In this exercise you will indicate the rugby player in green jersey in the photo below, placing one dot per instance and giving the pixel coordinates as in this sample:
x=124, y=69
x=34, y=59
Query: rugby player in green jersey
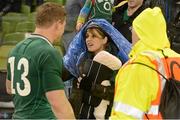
x=34, y=70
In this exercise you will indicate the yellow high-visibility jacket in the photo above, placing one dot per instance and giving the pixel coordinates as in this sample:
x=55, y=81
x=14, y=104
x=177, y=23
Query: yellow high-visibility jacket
x=138, y=88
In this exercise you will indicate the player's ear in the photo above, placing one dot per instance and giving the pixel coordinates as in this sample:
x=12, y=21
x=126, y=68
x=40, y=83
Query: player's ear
x=57, y=24
x=61, y=22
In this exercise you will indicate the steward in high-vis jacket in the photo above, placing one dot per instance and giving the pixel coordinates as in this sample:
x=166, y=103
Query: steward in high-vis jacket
x=138, y=88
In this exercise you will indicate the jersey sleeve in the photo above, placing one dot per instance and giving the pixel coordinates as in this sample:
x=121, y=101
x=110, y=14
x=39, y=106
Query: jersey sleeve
x=51, y=66
x=85, y=11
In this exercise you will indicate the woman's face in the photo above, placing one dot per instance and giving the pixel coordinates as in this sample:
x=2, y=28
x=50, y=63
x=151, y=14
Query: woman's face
x=95, y=40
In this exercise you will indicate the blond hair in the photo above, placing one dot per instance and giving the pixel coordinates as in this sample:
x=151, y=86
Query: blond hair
x=48, y=13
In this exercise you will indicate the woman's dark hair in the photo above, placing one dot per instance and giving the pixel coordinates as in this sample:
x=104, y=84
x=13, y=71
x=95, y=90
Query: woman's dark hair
x=112, y=48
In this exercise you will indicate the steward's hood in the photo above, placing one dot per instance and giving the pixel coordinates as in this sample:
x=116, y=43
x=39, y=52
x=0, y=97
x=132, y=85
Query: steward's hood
x=77, y=48
x=150, y=27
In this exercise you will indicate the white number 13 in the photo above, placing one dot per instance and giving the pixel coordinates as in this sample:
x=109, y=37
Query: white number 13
x=27, y=87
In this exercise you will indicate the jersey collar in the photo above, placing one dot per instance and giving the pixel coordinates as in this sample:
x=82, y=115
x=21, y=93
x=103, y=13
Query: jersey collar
x=40, y=36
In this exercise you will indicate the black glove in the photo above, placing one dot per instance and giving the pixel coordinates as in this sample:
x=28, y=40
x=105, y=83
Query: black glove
x=104, y=92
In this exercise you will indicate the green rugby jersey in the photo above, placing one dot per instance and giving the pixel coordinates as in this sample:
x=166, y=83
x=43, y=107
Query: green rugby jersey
x=34, y=68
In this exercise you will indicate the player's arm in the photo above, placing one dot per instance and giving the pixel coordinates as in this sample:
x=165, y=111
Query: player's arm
x=8, y=86
x=51, y=65
x=60, y=104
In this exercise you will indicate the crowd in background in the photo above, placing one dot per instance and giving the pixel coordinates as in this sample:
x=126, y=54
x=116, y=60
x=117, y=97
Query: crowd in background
x=96, y=29
x=78, y=12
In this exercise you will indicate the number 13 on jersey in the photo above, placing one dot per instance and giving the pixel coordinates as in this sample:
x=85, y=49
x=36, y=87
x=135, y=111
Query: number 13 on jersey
x=23, y=62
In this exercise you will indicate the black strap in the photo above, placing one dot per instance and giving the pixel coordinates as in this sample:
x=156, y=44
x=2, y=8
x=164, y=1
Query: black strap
x=150, y=68
x=146, y=116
